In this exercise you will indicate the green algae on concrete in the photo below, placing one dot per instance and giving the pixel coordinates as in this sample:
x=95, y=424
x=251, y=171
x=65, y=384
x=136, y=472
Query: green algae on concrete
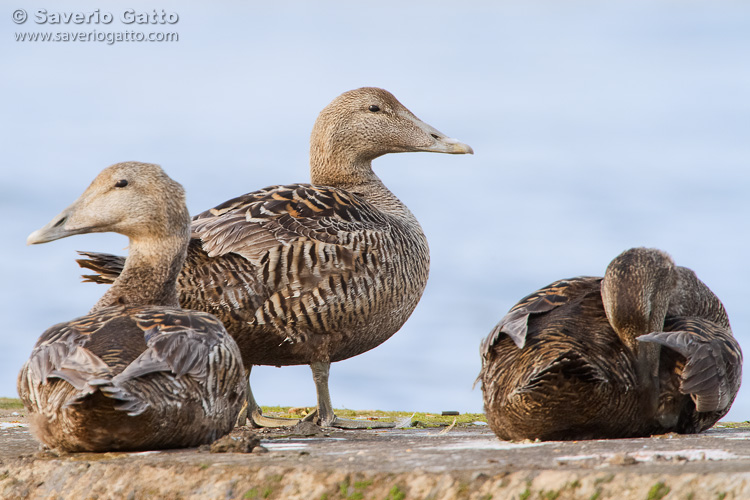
x=419, y=419
x=10, y=404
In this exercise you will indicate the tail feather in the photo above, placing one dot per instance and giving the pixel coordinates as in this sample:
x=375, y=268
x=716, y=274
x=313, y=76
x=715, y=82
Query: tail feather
x=107, y=266
x=123, y=400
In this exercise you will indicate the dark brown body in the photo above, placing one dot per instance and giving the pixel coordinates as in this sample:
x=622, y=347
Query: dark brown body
x=574, y=377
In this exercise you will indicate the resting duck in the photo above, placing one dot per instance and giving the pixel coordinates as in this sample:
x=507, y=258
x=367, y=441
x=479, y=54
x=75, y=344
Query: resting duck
x=137, y=372
x=315, y=273
x=645, y=350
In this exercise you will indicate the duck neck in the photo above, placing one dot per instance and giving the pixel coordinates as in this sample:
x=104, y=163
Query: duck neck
x=149, y=276
x=632, y=313
x=635, y=298
x=337, y=163
x=340, y=169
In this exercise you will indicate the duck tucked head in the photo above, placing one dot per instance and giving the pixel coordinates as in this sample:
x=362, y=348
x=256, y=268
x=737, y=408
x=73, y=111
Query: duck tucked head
x=636, y=290
x=363, y=124
x=135, y=199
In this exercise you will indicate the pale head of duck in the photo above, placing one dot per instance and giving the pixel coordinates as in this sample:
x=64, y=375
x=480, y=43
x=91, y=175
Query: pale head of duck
x=135, y=199
x=636, y=291
x=363, y=124
x=141, y=202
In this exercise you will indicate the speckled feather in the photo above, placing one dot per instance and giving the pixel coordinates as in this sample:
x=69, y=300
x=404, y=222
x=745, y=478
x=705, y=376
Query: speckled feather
x=323, y=275
x=515, y=323
x=152, y=365
x=293, y=271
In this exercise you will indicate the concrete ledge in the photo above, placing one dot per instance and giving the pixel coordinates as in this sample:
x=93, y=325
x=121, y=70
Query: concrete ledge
x=395, y=464
x=83, y=479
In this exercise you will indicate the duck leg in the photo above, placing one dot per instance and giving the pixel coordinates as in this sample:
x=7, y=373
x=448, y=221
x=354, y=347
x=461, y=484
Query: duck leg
x=324, y=412
x=251, y=410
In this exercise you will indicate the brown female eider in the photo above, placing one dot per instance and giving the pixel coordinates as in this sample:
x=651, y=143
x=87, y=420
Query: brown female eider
x=137, y=372
x=315, y=273
x=645, y=350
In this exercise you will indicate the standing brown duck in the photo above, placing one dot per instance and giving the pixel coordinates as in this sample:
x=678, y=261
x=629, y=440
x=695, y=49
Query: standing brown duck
x=647, y=349
x=137, y=372
x=315, y=273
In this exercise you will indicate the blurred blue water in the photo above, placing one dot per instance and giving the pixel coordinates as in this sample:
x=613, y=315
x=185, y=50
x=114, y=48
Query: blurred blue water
x=596, y=127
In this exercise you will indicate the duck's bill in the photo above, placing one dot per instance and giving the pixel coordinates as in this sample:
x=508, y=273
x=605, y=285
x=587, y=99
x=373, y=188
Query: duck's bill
x=54, y=230
x=438, y=142
x=450, y=146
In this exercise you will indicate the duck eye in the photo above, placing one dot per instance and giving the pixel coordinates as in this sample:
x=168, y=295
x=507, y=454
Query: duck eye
x=121, y=183
x=374, y=108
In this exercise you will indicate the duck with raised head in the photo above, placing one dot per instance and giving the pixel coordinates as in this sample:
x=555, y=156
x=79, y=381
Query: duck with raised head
x=137, y=372
x=315, y=273
x=646, y=349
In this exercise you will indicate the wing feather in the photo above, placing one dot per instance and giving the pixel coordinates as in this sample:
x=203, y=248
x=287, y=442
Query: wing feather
x=256, y=223
x=177, y=341
x=88, y=352
x=515, y=323
x=713, y=368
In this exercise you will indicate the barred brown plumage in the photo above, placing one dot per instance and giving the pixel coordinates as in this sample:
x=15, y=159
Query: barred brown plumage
x=576, y=359
x=137, y=372
x=315, y=273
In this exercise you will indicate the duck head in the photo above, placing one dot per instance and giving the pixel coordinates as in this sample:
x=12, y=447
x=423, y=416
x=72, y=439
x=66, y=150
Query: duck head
x=136, y=199
x=363, y=124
